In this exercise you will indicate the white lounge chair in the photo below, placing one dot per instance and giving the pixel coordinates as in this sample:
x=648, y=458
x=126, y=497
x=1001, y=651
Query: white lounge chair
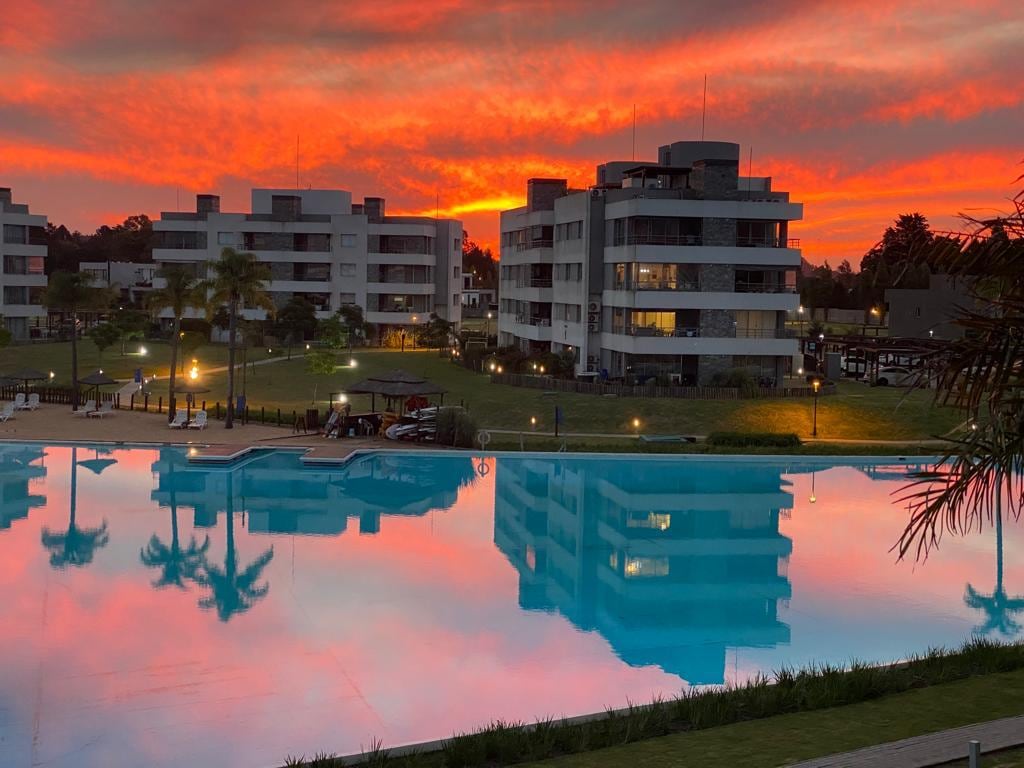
x=19, y=401
x=180, y=420
x=85, y=410
x=105, y=409
x=7, y=412
x=33, y=402
x=199, y=422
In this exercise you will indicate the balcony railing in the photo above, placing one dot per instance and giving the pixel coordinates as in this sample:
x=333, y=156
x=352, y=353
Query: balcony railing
x=543, y=322
x=534, y=282
x=657, y=331
x=531, y=244
x=764, y=333
x=749, y=287
x=659, y=240
x=660, y=285
x=768, y=242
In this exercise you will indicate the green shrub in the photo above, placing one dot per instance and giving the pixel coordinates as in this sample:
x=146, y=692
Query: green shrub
x=455, y=426
x=754, y=439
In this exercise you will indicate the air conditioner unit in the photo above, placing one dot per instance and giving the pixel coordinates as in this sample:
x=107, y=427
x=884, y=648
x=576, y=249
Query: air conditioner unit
x=592, y=327
x=592, y=318
x=593, y=359
x=593, y=307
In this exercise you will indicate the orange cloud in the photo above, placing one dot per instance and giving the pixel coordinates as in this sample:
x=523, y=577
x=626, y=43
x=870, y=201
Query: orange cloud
x=449, y=107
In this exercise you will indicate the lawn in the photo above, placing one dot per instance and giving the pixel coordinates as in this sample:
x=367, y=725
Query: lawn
x=56, y=357
x=790, y=738
x=856, y=412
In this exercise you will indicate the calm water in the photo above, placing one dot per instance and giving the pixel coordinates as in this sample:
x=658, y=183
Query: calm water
x=156, y=613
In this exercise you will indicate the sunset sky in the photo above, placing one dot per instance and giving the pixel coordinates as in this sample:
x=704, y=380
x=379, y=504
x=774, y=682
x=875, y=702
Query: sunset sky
x=863, y=110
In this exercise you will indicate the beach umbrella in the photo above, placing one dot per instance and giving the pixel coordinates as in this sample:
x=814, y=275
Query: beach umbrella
x=26, y=375
x=96, y=380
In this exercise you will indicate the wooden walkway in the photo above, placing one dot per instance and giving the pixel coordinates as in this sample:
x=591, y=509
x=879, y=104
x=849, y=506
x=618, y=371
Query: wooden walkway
x=931, y=749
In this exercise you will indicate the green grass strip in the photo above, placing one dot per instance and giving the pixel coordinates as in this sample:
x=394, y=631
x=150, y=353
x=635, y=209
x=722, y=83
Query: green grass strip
x=668, y=730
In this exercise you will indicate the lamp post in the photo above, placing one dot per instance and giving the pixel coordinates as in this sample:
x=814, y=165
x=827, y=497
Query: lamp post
x=800, y=313
x=488, y=327
x=814, y=427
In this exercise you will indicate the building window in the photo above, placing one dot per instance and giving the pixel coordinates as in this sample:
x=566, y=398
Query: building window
x=570, y=230
x=15, y=234
x=455, y=272
x=456, y=243
x=917, y=311
x=179, y=240
x=348, y=241
x=348, y=270
x=348, y=298
x=229, y=238
x=455, y=299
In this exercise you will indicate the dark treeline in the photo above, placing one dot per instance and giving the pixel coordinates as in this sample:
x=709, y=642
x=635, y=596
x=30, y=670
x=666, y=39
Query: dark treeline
x=131, y=240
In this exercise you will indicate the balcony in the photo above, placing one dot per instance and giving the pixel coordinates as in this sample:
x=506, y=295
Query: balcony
x=659, y=285
x=755, y=287
x=531, y=244
x=541, y=322
x=656, y=331
x=768, y=242
x=764, y=333
x=534, y=282
x=631, y=239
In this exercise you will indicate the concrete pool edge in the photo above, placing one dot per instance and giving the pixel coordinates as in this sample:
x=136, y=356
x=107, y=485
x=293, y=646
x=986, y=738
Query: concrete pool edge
x=244, y=451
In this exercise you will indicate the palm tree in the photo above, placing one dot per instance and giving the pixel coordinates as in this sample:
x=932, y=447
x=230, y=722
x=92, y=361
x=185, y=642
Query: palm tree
x=177, y=564
x=237, y=281
x=232, y=591
x=71, y=293
x=181, y=290
x=75, y=546
x=983, y=375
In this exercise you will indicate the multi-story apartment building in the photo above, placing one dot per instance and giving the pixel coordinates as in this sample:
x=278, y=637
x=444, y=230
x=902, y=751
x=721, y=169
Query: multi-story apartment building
x=23, y=276
x=130, y=280
x=321, y=246
x=680, y=268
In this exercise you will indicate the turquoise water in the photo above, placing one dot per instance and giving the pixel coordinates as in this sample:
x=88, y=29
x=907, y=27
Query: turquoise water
x=160, y=613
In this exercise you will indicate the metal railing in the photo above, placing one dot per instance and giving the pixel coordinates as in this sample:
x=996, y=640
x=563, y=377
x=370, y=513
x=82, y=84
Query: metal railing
x=768, y=242
x=534, y=282
x=531, y=244
x=751, y=287
x=658, y=240
x=533, y=320
x=656, y=331
x=765, y=333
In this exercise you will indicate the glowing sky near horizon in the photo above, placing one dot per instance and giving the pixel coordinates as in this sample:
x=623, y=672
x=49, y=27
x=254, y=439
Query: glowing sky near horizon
x=860, y=110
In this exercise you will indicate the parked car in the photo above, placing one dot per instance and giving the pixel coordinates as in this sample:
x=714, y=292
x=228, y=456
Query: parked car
x=895, y=376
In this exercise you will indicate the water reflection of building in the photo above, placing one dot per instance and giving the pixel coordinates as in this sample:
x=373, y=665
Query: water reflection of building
x=281, y=495
x=19, y=465
x=673, y=563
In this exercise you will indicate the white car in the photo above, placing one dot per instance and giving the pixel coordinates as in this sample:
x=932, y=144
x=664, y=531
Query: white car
x=895, y=376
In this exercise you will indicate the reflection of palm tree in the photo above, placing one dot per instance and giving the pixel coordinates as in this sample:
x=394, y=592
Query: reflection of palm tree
x=998, y=608
x=75, y=546
x=177, y=564
x=233, y=591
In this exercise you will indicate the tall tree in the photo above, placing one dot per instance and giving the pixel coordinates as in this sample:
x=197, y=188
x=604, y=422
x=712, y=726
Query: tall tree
x=237, y=282
x=180, y=291
x=295, y=321
x=479, y=262
x=351, y=316
x=103, y=335
x=71, y=293
x=176, y=564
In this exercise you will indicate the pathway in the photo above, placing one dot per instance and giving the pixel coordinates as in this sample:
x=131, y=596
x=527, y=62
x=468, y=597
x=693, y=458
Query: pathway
x=931, y=749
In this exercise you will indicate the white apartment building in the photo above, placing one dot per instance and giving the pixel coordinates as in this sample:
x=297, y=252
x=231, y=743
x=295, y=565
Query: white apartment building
x=680, y=268
x=322, y=247
x=23, y=262
x=131, y=280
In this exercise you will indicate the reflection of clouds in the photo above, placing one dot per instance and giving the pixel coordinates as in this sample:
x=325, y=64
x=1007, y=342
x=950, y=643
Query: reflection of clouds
x=420, y=630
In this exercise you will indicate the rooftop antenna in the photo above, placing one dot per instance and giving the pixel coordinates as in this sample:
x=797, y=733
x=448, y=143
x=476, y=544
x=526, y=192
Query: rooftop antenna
x=704, y=109
x=296, y=162
x=750, y=172
x=634, y=133
x=177, y=198
x=437, y=205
